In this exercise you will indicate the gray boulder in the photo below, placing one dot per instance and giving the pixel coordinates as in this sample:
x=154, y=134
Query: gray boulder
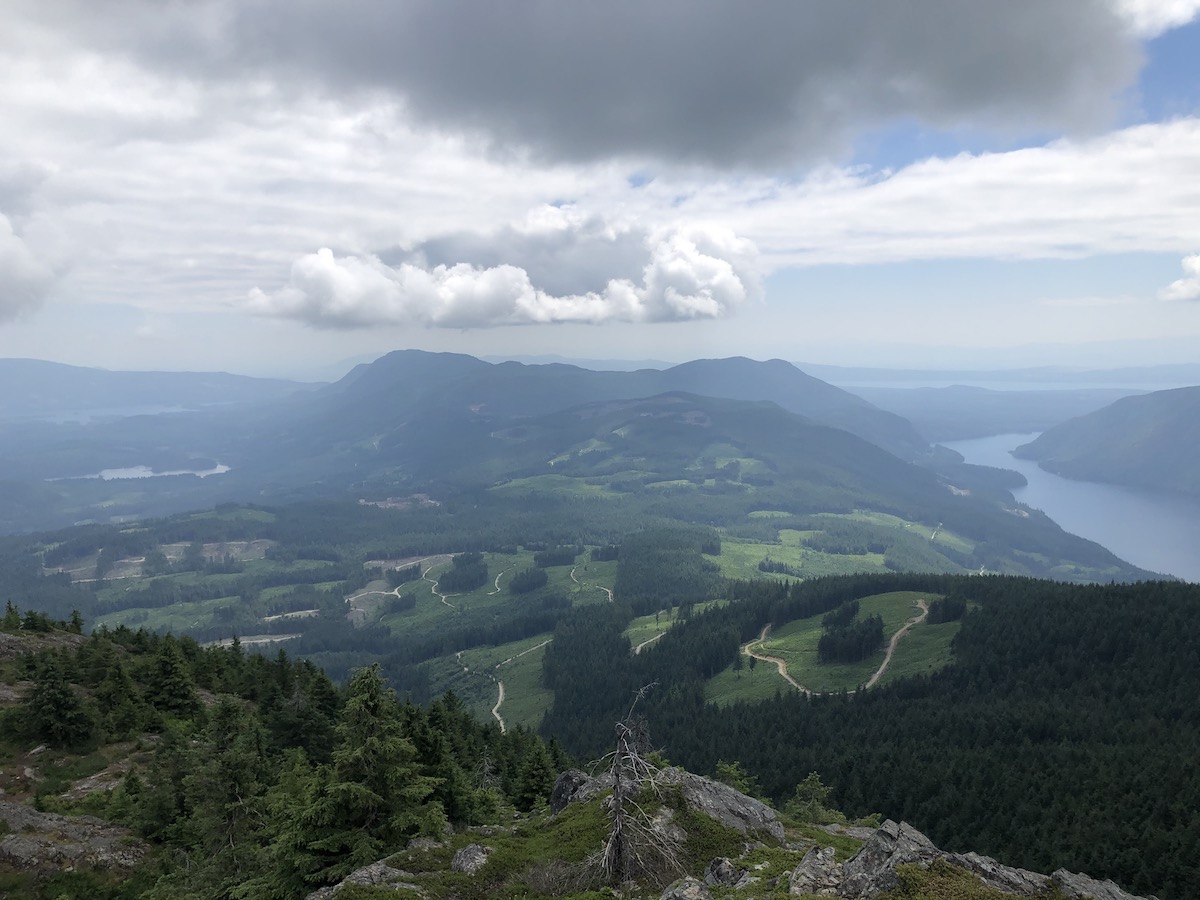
x=688, y=888
x=818, y=873
x=722, y=871
x=872, y=870
x=378, y=874
x=470, y=859
x=1076, y=887
x=730, y=807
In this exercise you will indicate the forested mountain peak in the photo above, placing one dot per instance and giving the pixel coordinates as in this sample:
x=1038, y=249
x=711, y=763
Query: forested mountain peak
x=1147, y=440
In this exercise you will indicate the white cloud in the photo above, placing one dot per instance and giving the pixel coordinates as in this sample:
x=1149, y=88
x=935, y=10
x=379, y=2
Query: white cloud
x=698, y=273
x=24, y=278
x=1185, y=288
x=1131, y=191
x=1150, y=18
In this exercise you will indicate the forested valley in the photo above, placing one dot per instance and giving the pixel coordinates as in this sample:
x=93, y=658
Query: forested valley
x=742, y=571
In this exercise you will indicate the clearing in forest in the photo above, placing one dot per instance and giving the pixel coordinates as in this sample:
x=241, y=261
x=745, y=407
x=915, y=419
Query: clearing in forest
x=925, y=648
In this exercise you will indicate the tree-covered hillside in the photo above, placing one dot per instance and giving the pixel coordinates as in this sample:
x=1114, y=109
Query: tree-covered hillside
x=1149, y=440
x=1058, y=737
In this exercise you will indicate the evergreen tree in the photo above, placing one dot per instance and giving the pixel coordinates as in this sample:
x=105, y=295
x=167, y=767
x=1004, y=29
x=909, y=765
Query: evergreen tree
x=55, y=713
x=172, y=687
x=370, y=799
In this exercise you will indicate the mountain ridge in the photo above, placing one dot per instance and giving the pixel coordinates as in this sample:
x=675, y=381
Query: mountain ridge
x=1148, y=440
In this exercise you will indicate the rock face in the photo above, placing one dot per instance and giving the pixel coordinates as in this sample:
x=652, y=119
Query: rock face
x=872, y=871
x=47, y=842
x=818, y=873
x=730, y=807
x=1077, y=887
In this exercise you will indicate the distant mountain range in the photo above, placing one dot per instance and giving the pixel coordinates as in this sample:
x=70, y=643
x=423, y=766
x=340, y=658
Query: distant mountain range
x=37, y=389
x=374, y=398
x=960, y=412
x=1149, y=440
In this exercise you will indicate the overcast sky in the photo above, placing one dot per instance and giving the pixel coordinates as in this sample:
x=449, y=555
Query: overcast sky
x=282, y=186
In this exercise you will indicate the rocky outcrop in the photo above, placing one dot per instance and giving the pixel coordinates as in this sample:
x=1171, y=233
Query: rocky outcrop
x=1078, y=887
x=574, y=786
x=723, y=871
x=48, y=842
x=688, y=888
x=470, y=859
x=729, y=806
x=377, y=875
x=818, y=873
x=872, y=871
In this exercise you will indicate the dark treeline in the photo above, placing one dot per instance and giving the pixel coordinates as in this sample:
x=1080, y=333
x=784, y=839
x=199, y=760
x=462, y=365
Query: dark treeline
x=559, y=556
x=280, y=784
x=1055, y=738
x=665, y=567
x=840, y=617
x=528, y=580
x=397, y=577
x=851, y=643
x=947, y=609
x=467, y=572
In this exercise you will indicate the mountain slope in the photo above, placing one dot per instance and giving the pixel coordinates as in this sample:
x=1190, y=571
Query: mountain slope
x=374, y=399
x=1148, y=441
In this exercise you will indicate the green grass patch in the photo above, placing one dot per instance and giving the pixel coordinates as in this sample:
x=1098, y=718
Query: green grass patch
x=542, y=857
x=179, y=617
x=943, y=537
x=924, y=649
x=558, y=485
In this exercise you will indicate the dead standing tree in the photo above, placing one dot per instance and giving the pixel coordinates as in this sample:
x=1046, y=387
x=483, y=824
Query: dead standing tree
x=636, y=845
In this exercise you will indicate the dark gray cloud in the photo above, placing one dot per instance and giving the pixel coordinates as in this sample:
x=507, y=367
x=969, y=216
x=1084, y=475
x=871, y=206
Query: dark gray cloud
x=700, y=81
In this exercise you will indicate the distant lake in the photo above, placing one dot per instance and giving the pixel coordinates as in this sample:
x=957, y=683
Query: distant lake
x=1152, y=529
x=147, y=472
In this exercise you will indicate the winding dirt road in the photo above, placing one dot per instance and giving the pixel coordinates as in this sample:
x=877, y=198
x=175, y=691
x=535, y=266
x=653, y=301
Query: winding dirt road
x=591, y=584
x=915, y=620
x=781, y=665
x=638, y=648
x=433, y=588
x=499, y=683
x=499, y=703
x=497, y=590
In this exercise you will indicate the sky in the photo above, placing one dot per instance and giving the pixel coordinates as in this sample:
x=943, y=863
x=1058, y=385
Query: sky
x=287, y=188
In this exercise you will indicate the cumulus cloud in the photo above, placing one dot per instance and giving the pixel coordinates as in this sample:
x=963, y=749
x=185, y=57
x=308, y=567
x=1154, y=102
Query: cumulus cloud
x=24, y=279
x=1187, y=288
x=697, y=273
x=1150, y=18
x=697, y=81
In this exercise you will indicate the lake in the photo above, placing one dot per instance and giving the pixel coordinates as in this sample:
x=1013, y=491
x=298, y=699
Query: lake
x=1152, y=529
x=145, y=472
